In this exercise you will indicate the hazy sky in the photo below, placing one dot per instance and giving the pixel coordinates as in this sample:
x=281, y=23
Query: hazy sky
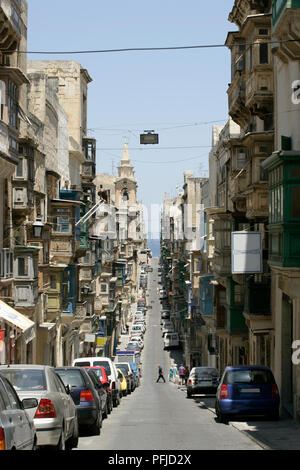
x=175, y=93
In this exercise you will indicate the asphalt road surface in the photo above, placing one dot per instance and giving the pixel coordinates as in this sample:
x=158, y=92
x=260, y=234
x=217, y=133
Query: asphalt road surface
x=158, y=416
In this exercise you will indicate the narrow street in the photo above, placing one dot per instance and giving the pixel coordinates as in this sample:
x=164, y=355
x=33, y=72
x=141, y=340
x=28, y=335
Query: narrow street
x=158, y=416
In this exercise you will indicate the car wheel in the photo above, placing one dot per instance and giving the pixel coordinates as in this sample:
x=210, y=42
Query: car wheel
x=223, y=418
x=73, y=441
x=116, y=402
x=105, y=413
x=189, y=394
x=110, y=406
x=35, y=446
x=62, y=443
x=96, y=427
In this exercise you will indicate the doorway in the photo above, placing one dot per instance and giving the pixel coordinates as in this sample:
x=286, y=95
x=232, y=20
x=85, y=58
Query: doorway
x=286, y=354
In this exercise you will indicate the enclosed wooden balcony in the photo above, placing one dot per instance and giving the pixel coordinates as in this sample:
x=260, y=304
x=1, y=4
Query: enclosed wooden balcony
x=285, y=19
x=236, y=99
x=11, y=25
x=259, y=90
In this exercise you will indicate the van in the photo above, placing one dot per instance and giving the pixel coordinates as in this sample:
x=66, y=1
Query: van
x=111, y=371
x=171, y=340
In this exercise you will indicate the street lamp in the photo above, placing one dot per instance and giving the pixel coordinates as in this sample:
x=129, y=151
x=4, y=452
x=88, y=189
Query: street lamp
x=37, y=228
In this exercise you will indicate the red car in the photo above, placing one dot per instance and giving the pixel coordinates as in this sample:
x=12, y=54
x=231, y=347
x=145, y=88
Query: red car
x=101, y=373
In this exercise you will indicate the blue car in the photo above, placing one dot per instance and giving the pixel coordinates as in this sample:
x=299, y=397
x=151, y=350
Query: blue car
x=247, y=390
x=134, y=366
x=84, y=395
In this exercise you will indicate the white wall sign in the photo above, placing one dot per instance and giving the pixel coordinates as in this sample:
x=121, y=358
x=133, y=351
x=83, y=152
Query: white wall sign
x=246, y=252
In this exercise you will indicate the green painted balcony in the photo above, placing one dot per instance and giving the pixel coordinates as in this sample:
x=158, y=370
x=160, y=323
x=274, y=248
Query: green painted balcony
x=279, y=7
x=284, y=213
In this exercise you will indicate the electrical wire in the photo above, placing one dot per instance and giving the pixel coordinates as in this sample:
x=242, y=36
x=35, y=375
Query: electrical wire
x=145, y=49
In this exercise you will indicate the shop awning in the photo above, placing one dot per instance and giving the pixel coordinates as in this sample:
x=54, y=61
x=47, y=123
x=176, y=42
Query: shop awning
x=17, y=320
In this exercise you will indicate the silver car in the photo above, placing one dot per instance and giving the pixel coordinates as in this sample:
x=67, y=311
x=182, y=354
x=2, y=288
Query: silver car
x=55, y=416
x=17, y=431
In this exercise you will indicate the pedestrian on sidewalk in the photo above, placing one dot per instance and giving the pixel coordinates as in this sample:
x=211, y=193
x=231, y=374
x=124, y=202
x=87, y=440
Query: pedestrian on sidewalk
x=160, y=374
x=181, y=371
x=186, y=374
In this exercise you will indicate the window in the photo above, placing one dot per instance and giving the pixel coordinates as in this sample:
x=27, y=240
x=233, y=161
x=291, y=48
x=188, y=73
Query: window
x=295, y=206
x=263, y=174
x=20, y=169
x=263, y=32
x=52, y=282
x=103, y=288
x=26, y=379
x=241, y=159
x=13, y=100
x=59, y=383
x=249, y=59
x=12, y=396
x=263, y=53
x=22, y=266
x=61, y=224
x=238, y=294
x=2, y=98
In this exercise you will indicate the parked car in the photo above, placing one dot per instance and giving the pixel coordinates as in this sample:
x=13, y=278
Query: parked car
x=85, y=396
x=141, y=303
x=128, y=372
x=137, y=372
x=171, y=340
x=139, y=314
x=136, y=329
x=133, y=346
x=17, y=431
x=202, y=380
x=137, y=337
x=101, y=391
x=111, y=371
x=123, y=381
x=138, y=342
x=101, y=373
x=143, y=325
x=55, y=414
x=247, y=390
x=165, y=316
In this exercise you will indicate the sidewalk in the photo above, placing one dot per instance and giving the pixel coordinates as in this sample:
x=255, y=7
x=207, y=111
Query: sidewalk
x=270, y=435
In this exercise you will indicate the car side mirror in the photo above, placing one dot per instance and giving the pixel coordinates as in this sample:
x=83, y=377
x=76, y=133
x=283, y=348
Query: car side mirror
x=68, y=389
x=29, y=403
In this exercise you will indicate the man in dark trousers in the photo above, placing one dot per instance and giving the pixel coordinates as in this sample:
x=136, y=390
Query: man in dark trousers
x=160, y=374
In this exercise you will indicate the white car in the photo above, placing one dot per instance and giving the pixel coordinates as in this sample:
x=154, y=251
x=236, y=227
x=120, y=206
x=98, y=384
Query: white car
x=171, y=340
x=136, y=338
x=137, y=329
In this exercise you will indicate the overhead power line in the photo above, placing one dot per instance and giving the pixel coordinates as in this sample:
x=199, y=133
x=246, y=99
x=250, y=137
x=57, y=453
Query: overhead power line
x=145, y=49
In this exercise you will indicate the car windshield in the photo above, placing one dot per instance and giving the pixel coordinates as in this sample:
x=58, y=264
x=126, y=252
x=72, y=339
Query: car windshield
x=26, y=379
x=124, y=368
x=98, y=372
x=104, y=364
x=252, y=376
x=206, y=371
x=71, y=377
